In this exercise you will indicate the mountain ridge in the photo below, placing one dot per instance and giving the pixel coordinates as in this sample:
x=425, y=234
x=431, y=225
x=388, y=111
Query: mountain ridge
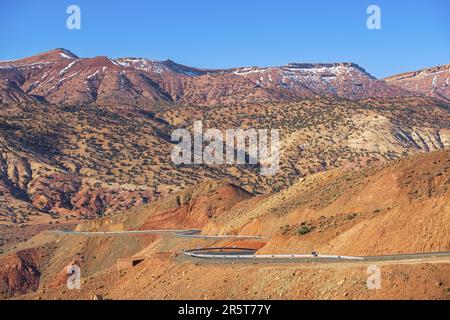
x=60, y=76
x=431, y=81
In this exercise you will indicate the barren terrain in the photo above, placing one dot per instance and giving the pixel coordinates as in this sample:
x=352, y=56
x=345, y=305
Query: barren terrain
x=85, y=145
x=398, y=207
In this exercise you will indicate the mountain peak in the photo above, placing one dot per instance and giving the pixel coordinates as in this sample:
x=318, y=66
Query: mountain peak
x=64, y=53
x=327, y=65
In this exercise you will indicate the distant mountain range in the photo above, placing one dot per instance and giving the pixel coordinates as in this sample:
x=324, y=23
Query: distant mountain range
x=59, y=76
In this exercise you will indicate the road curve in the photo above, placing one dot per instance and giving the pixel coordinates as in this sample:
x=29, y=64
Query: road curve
x=250, y=255
x=247, y=254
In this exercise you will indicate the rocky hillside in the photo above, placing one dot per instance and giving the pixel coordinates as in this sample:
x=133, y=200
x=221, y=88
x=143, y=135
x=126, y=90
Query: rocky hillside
x=70, y=162
x=59, y=76
x=345, y=80
x=433, y=82
x=399, y=207
x=85, y=137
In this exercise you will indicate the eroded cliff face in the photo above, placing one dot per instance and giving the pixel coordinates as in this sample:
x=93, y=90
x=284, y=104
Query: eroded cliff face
x=432, y=82
x=425, y=139
x=19, y=272
x=39, y=188
x=15, y=171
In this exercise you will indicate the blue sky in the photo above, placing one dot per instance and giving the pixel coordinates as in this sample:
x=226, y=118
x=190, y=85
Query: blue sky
x=230, y=33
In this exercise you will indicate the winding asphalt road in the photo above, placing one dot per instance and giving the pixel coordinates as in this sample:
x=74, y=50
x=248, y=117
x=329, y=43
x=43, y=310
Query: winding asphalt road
x=252, y=256
x=244, y=254
x=249, y=255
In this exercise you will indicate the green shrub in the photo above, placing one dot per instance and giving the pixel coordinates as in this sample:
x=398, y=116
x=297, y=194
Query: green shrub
x=303, y=230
